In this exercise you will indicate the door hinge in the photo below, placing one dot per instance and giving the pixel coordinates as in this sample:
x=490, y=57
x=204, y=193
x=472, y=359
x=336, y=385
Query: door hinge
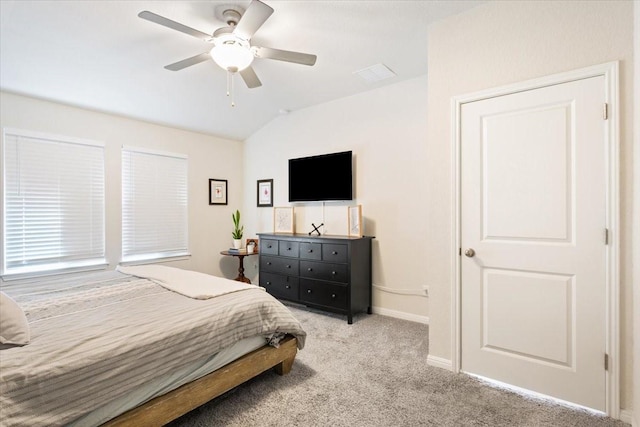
x=606, y=236
x=459, y=251
x=605, y=111
x=606, y=362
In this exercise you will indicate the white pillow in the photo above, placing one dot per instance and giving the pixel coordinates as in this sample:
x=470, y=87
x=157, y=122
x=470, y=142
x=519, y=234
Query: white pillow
x=14, y=328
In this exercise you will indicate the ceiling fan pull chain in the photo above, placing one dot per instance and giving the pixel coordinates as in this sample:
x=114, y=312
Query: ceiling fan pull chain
x=233, y=103
x=230, y=87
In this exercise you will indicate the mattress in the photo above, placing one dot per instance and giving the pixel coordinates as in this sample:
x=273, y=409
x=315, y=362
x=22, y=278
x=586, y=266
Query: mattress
x=98, y=337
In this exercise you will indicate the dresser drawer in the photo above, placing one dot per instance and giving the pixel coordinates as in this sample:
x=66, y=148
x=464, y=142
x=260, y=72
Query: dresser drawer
x=310, y=250
x=280, y=286
x=269, y=247
x=279, y=265
x=322, y=293
x=324, y=271
x=286, y=248
x=334, y=252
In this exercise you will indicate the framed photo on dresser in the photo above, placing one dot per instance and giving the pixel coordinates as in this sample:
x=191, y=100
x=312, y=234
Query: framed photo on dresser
x=355, y=221
x=283, y=220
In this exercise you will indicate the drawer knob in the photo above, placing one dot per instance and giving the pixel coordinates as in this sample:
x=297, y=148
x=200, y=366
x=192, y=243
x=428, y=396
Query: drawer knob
x=288, y=266
x=308, y=291
x=287, y=287
x=269, y=246
x=268, y=283
x=309, y=269
x=288, y=249
x=333, y=273
x=334, y=253
x=333, y=295
x=268, y=262
x=310, y=250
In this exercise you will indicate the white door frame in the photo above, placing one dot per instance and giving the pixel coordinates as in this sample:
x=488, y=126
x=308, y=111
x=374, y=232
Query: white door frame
x=610, y=72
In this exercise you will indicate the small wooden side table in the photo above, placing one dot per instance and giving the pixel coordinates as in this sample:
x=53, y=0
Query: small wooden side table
x=241, y=277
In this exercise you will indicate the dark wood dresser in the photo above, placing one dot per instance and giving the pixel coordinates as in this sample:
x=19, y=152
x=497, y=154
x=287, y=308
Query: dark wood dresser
x=331, y=273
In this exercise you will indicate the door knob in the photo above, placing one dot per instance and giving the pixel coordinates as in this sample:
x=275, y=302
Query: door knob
x=470, y=253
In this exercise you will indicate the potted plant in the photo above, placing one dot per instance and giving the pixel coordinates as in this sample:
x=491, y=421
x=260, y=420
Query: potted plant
x=237, y=230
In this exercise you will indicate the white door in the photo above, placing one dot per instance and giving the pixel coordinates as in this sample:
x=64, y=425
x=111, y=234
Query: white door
x=533, y=205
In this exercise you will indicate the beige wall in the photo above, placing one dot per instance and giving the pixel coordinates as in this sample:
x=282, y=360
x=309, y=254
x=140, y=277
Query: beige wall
x=636, y=215
x=209, y=157
x=386, y=130
x=505, y=42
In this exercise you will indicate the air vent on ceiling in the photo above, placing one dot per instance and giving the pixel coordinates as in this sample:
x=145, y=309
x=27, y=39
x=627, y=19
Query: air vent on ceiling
x=375, y=73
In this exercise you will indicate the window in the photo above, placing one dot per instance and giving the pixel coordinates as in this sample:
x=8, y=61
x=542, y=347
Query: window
x=53, y=216
x=154, y=205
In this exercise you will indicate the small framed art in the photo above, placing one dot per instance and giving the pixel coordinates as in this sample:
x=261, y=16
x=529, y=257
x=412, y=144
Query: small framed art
x=217, y=191
x=265, y=193
x=283, y=220
x=355, y=221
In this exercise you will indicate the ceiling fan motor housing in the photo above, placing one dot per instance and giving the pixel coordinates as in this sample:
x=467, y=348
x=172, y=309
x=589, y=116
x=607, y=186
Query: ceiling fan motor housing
x=232, y=16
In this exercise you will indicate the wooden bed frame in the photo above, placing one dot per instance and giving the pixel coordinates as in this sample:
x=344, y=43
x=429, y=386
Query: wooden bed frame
x=168, y=407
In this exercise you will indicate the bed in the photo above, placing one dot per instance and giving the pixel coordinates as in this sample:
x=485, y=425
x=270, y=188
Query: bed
x=111, y=348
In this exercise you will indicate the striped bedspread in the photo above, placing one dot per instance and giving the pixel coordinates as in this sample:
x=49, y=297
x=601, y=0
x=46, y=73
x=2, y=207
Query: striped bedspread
x=98, y=337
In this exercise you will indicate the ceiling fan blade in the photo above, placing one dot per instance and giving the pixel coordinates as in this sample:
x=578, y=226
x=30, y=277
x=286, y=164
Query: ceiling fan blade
x=252, y=19
x=150, y=16
x=286, y=55
x=250, y=77
x=177, y=66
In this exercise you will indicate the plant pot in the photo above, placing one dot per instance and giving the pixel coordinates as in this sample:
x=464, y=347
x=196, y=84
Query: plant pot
x=237, y=243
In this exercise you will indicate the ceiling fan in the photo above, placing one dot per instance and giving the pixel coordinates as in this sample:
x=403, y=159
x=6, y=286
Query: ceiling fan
x=232, y=49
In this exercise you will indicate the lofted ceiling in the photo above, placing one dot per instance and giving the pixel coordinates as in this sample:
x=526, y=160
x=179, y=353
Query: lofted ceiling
x=100, y=55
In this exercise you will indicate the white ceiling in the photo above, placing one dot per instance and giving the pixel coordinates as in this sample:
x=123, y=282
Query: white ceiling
x=100, y=55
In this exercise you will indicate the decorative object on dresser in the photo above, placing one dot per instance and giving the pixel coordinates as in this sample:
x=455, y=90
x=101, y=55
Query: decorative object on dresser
x=265, y=193
x=354, y=214
x=283, y=220
x=217, y=191
x=331, y=273
x=316, y=229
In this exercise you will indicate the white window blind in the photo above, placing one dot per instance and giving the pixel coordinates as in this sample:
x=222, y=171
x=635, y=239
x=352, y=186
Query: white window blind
x=154, y=205
x=53, y=215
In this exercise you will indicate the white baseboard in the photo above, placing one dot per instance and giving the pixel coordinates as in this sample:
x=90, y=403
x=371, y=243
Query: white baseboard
x=439, y=362
x=626, y=416
x=401, y=315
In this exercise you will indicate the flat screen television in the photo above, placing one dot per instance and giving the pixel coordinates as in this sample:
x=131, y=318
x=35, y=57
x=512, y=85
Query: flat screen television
x=320, y=178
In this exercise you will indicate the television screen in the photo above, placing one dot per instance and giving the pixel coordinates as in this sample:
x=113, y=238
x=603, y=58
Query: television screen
x=318, y=178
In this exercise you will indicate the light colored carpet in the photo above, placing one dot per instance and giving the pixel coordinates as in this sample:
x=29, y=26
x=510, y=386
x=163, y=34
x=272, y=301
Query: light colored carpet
x=374, y=373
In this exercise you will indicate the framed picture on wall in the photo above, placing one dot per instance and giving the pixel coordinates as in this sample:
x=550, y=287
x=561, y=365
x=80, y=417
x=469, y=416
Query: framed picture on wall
x=283, y=220
x=355, y=220
x=217, y=191
x=265, y=193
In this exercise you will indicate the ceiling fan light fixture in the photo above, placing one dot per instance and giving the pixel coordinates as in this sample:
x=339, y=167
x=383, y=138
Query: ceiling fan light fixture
x=232, y=53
